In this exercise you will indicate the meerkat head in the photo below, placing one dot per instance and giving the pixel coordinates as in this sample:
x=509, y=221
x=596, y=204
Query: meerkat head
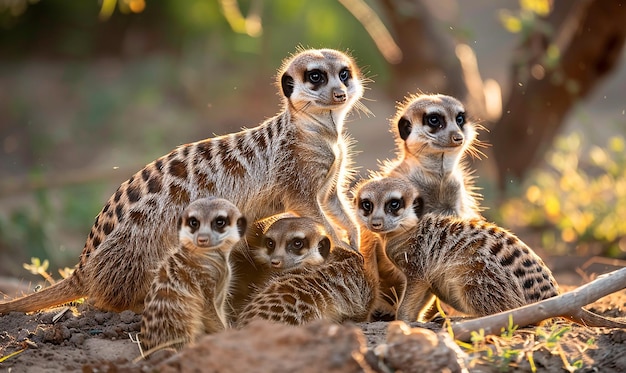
x=427, y=124
x=291, y=242
x=320, y=80
x=385, y=205
x=211, y=223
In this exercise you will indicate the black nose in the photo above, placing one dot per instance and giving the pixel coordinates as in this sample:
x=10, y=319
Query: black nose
x=339, y=95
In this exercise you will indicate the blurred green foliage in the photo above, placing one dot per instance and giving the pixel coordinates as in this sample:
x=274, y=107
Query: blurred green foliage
x=578, y=203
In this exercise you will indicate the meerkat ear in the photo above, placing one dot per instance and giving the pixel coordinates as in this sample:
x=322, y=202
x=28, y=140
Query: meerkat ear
x=180, y=222
x=418, y=206
x=286, y=83
x=242, y=224
x=324, y=247
x=404, y=128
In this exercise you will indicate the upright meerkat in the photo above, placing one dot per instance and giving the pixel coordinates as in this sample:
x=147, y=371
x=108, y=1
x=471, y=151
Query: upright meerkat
x=296, y=161
x=433, y=136
x=383, y=205
x=339, y=289
x=473, y=265
x=187, y=297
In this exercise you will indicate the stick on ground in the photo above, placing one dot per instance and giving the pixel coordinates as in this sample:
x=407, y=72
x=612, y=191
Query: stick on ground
x=568, y=305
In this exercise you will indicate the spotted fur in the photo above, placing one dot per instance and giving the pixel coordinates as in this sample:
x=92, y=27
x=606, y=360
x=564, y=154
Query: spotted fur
x=298, y=160
x=187, y=297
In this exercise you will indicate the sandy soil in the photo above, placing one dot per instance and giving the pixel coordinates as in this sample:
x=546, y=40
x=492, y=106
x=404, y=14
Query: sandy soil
x=88, y=340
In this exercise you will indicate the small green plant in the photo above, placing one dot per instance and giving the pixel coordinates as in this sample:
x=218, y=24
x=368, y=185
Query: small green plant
x=578, y=200
x=513, y=346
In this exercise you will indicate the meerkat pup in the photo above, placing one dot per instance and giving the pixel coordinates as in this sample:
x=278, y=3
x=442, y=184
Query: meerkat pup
x=339, y=289
x=388, y=204
x=296, y=161
x=473, y=265
x=278, y=243
x=289, y=242
x=433, y=136
x=187, y=297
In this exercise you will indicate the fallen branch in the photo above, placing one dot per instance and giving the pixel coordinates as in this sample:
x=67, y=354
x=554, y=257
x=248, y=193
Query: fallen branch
x=568, y=305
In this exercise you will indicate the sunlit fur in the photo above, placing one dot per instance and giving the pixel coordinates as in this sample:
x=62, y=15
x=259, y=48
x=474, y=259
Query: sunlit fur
x=187, y=297
x=299, y=161
x=433, y=157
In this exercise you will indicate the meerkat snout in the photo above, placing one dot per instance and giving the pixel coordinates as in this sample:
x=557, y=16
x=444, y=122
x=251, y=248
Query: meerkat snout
x=339, y=95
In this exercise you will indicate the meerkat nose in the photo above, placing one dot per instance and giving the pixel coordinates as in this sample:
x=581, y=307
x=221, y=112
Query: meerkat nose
x=457, y=138
x=377, y=224
x=203, y=240
x=277, y=263
x=339, y=95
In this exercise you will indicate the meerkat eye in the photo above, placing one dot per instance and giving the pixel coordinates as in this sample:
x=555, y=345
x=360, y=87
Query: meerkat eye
x=315, y=76
x=460, y=119
x=269, y=243
x=193, y=223
x=298, y=244
x=395, y=204
x=344, y=75
x=433, y=120
x=220, y=222
x=366, y=205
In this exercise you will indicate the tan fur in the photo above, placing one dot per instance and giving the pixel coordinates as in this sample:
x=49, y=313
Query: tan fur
x=432, y=156
x=297, y=161
x=338, y=290
x=187, y=297
x=384, y=205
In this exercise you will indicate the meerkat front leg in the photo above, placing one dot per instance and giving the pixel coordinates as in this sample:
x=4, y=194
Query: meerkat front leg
x=417, y=298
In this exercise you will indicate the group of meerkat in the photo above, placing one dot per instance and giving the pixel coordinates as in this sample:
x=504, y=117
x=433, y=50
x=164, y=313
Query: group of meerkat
x=259, y=223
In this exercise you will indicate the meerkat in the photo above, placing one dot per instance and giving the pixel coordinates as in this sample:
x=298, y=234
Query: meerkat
x=277, y=243
x=187, y=297
x=383, y=205
x=339, y=289
x=290, y=242
x=433, y=136
x=473, y=265
x=296, y=161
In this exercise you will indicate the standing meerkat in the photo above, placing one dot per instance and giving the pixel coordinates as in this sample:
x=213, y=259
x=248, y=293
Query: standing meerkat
x=384, y=205
x=473, y=265
x=296, y=161
x=433, y=136
x=187, y=297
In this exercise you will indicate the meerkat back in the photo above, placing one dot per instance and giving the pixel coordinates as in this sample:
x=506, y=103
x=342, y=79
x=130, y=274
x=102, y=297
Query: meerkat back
x=293, y=161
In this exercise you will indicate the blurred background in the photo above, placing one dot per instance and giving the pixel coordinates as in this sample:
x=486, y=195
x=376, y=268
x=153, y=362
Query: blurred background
x=91, y=91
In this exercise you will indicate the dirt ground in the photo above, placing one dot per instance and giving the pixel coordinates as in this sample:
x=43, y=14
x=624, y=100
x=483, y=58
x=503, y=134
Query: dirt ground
x=88, y=340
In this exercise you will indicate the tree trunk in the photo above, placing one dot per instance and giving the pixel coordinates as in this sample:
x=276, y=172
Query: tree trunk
x=589, y=36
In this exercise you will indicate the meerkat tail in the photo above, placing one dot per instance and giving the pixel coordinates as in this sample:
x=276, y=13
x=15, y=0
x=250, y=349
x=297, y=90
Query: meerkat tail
x=61, y=292
x=588, y=318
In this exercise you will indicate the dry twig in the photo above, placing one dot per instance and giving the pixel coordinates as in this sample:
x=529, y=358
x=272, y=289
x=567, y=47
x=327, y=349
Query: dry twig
x=568, y=305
